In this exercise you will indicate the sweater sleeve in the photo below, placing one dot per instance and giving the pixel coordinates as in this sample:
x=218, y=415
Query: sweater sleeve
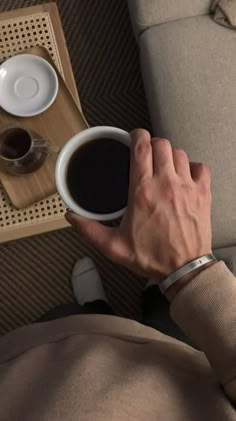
x=205, y=309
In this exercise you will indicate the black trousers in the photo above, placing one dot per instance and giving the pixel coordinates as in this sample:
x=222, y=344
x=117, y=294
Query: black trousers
x=71, y=309
x=155, y=312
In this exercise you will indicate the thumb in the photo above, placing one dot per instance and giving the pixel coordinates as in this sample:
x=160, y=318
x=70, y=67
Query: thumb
x=96, y=233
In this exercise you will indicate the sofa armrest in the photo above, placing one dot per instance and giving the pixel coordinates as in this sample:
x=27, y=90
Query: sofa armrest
x=148, y=13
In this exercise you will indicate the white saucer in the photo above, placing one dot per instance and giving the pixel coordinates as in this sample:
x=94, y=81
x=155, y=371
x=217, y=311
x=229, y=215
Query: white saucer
x=28, y=85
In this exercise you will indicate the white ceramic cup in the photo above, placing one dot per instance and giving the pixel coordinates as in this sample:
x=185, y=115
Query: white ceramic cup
x=63, y=160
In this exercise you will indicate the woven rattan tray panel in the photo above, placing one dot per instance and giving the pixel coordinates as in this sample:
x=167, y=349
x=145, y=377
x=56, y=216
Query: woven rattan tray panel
x=16, y=35
x=19, y=34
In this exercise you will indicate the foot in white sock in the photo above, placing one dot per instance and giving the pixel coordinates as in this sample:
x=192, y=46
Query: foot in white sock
x=86, y=282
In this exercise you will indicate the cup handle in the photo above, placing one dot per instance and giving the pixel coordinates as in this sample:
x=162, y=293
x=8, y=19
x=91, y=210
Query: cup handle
x=40, y=143
x=53, y=150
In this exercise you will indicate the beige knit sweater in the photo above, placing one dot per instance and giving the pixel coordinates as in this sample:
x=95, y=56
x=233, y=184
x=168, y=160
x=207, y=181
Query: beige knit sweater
x=103, y=368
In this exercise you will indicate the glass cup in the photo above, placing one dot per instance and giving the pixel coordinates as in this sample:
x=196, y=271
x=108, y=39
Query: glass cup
x=21, y=150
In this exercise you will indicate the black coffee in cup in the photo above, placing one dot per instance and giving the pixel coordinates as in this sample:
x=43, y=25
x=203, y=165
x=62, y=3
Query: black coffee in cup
x=98, y=176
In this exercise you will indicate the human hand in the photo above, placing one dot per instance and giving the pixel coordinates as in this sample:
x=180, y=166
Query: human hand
x=168, y=218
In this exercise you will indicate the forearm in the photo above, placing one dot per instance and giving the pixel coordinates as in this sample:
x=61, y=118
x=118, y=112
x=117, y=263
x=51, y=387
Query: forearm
x=205, y=309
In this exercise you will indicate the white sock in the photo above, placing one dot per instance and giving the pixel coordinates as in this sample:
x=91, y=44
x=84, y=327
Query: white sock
x=86, y=282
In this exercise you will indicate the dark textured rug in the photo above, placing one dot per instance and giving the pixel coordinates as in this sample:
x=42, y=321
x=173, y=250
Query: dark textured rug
x=35, y=272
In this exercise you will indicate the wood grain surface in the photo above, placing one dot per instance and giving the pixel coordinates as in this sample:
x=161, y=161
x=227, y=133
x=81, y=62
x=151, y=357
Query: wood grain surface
x=57, y=124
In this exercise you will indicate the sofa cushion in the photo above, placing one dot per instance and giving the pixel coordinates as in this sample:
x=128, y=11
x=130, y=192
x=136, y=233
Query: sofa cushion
x=189, y=72
x=147, y=13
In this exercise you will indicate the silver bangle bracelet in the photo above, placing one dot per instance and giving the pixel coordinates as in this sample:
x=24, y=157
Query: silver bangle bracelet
x=185, y=270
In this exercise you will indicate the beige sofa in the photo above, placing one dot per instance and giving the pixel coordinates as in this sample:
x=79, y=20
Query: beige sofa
x=189, y=70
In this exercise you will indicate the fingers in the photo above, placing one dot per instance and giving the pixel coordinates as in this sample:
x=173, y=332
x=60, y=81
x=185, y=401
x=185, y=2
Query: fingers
x=162, y=156
x=181, y=163
x=201, y=173
x=96, y=233
x=141, y=161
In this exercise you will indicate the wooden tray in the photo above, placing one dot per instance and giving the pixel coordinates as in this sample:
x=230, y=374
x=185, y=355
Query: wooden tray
x=41, y=26
x=57, y=124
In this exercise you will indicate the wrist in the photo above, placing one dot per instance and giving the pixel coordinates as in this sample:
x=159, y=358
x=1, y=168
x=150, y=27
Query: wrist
x=182, y=282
